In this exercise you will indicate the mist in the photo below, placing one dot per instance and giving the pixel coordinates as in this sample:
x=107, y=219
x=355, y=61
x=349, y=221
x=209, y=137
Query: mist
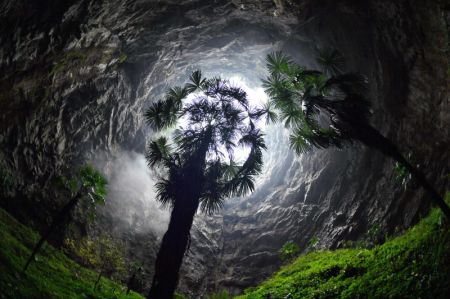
x=131, y=196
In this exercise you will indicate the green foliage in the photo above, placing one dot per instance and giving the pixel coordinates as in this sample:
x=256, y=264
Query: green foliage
x=89, y=183
x=331, y=61
x=316, y=106
x=67, y=60
x=122, y=58
x=53, y=275
x=313, y=242
x=104, y=254
x=414, y=265
x=93, y=183
x=288, y=251
x=217, y=118
x=402, y=176
x=375, y=235
x=220, y=295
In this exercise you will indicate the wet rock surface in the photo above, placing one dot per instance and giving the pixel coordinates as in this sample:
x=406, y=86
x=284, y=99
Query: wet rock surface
x=75, y=78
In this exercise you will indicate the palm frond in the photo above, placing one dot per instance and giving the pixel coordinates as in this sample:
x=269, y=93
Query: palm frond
x=210, y=203
x=242, y=186
x=349, y=83
x=212, y=197
x=230, y=170
x=158, y=151
x=299, y=143
x=271, y=114
x=292, y=117
x=331, y=61
x=253, y=139
x=304, y=138
x=162, y=114
x=278, y=63
x=196, y=81
x=277, y=87
x=94, y=182
x=175, y=96
x=165, y=192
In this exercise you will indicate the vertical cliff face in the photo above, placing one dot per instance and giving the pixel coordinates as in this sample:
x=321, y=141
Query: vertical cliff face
x=331, y=196
x=76, y=77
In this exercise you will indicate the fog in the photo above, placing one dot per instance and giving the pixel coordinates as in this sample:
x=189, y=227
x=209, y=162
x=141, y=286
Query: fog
x=131, y=194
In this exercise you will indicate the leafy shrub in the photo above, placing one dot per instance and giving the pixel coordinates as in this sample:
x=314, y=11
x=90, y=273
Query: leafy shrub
x=288, y=251
x=220, y=295
x=104, y=254
x=313, y=242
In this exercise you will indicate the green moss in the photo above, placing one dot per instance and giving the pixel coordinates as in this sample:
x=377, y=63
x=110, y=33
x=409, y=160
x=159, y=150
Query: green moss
x=122, y=57
x=68, y=60
x=53, y=275
x=414, y=265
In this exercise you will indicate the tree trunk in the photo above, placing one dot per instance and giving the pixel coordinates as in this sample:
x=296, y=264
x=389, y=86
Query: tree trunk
x=372, y=138
x=130, y=282
x=98, y=279
x=173, y=247
x=175, y=240
x=57, y=220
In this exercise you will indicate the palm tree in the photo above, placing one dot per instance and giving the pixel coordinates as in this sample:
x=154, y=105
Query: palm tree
x=199, y=165
x=324, y=110
x=86, y=183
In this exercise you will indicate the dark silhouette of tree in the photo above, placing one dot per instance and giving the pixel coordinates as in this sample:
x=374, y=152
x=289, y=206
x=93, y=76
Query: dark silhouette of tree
x=324, y=111
x=86, y=183
x=200, y=169
x=136, y=270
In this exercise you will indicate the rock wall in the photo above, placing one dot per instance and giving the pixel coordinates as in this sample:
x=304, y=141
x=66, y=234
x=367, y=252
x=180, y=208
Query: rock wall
x=76, y=76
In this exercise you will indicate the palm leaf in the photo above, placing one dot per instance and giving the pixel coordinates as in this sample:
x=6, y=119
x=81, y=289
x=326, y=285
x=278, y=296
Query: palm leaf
x=94, y=182
x=196, y=82
x=162, y=114
x=175, y=96
x=158, y=151
x=278, y=63
x=165, y=192
x=271, y=115
x=331, y=61
x=350, y=83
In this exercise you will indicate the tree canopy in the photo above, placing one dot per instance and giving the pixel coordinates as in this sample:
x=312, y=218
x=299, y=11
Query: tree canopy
x=218, y=113
x=214, y=118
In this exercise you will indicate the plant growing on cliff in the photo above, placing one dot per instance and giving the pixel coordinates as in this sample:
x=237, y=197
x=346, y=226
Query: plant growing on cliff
x=86, y=183
x=289, y=251
x=323, y=111
x=136, y=270
x=104, y=254
x=200, y=170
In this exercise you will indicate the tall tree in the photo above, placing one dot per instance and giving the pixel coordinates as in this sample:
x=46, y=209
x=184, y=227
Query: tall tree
x=86, y=183
x=215, y=118
x=330, y=109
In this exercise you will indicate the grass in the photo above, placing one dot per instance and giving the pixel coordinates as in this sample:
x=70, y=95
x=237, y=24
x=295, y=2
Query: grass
x=52, y=275
x=414, y=265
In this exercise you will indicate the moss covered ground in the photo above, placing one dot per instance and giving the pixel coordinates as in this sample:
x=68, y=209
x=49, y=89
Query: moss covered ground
x=413, y=265
x=52, y=275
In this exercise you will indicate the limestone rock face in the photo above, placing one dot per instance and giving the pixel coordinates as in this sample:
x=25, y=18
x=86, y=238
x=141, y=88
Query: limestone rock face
x=76, y=77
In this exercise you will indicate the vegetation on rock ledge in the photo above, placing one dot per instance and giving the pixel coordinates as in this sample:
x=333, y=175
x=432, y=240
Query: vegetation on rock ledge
x=53, y=275
x=414, y=265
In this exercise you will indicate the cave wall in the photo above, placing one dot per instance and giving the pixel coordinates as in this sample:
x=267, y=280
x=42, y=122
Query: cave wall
x=75, y=78
x=331, y=196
